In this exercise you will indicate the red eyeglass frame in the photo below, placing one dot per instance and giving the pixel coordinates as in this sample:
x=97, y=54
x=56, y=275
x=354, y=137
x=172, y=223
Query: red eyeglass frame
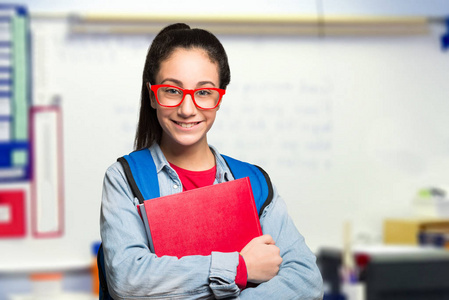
x=185, y=92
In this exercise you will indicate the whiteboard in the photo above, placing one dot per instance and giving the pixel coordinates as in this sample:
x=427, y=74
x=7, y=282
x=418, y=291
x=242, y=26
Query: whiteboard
x=348, y=128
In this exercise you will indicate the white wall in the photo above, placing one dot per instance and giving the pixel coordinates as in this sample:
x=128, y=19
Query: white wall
x=343, y=7
x=348, y=128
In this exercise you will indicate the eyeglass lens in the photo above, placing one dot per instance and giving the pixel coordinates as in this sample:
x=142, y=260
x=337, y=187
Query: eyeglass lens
x=204, y=98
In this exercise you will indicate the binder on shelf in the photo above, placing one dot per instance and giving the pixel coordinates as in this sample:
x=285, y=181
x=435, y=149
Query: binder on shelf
x=47, y=187
x=21, y=74
x=4, y=128
x=220, y=217
x=14, y=93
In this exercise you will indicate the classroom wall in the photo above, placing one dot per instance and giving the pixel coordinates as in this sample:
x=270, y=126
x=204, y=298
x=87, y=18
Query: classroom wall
x=349, y=128
x=337, y=122
x=433, y=8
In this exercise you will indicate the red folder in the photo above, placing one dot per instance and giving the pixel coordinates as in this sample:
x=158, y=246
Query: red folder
x=220, y=217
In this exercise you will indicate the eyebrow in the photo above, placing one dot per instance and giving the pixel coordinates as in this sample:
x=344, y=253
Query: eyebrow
x=175, y=81
x=179, y=83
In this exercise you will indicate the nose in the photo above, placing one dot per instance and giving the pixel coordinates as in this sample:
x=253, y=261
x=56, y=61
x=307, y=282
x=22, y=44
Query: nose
x=187, y=107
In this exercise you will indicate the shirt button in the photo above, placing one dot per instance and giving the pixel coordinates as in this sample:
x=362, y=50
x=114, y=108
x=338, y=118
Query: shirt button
x=175, y=186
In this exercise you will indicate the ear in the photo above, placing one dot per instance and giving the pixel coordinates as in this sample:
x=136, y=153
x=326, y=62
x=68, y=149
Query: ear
x=153, y=100
x=219, y=105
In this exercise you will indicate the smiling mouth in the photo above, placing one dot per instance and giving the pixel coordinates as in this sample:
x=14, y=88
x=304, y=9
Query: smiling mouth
x=187, y=125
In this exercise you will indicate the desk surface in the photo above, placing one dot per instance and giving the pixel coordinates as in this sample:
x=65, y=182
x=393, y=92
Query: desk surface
x=44, y=265
x=394, y=253
x=381, y=253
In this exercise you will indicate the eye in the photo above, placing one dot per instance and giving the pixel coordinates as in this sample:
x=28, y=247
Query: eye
x=172, y=91
x=204, y=92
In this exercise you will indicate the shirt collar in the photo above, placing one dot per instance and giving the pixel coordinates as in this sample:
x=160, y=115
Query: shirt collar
x=159, y=159
x=223, y=171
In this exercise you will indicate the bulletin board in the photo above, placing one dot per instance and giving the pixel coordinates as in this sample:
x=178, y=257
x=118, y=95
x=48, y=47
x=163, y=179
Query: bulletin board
x=348, y=128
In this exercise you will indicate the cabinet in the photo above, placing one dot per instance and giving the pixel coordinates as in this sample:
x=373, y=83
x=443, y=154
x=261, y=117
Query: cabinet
x=410, y=231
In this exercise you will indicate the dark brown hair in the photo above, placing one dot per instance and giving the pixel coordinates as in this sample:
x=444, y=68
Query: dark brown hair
x=164, y=44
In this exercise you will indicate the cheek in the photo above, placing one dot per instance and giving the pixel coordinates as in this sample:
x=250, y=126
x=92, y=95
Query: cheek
x=211, y=117
x=160, y=116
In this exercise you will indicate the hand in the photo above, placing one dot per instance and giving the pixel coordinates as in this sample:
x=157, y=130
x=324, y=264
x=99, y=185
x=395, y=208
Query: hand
x=262, y=259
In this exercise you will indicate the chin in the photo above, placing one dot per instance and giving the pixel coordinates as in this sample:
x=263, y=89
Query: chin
x=187, y=142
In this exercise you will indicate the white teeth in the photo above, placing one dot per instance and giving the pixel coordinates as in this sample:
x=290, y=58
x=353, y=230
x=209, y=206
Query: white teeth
x=186, y=125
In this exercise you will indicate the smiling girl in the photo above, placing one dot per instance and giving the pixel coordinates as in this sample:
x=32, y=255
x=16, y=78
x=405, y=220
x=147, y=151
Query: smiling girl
x=184, y=79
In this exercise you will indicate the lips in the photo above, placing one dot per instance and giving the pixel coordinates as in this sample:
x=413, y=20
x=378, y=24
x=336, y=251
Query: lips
x=187, y=125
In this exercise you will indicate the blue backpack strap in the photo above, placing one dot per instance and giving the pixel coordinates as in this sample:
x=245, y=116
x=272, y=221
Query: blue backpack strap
x=141, y=173
x=259, y=179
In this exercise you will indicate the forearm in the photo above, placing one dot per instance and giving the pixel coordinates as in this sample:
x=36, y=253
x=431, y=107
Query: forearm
x=150, y=277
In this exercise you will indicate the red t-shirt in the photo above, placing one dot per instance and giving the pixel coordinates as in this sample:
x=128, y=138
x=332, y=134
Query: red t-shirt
x=195, y=179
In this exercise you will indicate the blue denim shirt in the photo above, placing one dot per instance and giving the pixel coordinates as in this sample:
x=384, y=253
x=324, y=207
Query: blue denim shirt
x=133, y=272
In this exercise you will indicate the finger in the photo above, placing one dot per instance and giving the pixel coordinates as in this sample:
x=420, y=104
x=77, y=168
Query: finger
x=267, y=239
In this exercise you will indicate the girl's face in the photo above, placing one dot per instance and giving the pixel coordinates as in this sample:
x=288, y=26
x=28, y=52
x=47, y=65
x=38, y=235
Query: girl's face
x=186, y=125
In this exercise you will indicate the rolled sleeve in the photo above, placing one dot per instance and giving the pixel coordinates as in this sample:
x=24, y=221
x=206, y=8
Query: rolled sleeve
x=223, y=271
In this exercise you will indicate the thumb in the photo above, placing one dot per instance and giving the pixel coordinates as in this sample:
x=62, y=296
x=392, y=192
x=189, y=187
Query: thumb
x=267, y=239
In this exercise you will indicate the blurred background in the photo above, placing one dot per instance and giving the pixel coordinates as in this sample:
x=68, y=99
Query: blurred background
x=344, y=104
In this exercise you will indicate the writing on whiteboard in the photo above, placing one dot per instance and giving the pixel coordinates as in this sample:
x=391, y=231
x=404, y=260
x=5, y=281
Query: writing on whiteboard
x=293, y=119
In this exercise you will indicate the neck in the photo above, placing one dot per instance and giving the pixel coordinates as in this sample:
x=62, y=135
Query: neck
x=193, y=157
